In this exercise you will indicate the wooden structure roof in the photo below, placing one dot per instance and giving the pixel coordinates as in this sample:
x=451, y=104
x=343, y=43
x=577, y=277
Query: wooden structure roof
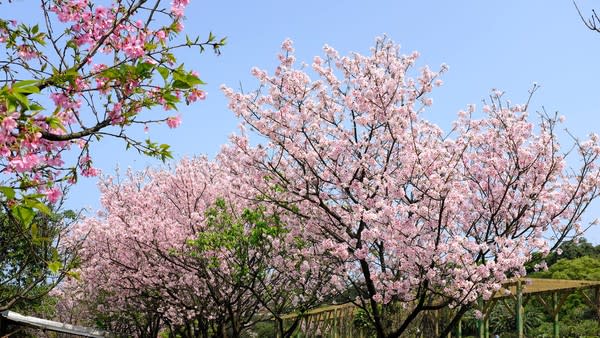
x=542, y=285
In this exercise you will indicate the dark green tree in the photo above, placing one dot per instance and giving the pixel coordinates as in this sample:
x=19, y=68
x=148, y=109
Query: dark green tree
x=33, y=256
x=572, y=250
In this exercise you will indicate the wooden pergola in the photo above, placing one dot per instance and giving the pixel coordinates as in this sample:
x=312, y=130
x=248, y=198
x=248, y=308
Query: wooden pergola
x=337, y=320
x=551, y=293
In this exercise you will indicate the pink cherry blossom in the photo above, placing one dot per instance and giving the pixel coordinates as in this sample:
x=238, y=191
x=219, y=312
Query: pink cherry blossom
x=67, y=93
x=138, y=251
x=53, y=194
x=174, y=121
x=409, y=210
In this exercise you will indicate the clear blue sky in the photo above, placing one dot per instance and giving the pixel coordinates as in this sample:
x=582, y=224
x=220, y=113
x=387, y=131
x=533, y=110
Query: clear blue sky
x=487, y=44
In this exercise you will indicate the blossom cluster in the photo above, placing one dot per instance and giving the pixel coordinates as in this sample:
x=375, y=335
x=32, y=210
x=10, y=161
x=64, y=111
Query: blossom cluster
x=374, y=200
x=99, y=76
x=412, y=211
x=164, y=235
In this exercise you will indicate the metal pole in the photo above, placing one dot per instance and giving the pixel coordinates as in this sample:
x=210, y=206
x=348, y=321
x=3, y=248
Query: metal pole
x=459, y=329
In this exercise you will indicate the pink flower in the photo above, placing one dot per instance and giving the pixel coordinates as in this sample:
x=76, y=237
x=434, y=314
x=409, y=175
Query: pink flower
x=26, y=52
x=9, y=123
x=161, y=35
x=178, y=26
x=174, y=121
x=101, y=11
x=53, y=194
x=115, y=113
x=287, y=45
x=25, y=163
x=195, y=95
x=89, y=172
x=178, y=6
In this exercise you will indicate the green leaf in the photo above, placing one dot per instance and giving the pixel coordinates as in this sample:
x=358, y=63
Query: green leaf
x=34, y=203
x=40, y=38
x=74, y=274
x=164, y=72
x=25, y=83
x=23, y=214
x=71, y=44
x=150, y=46
x=11, y=106
x=34, y=231
x=54, y=266
x=143, y=69
x=55, y=123
x=8, y=192
x=178, y=84
x=193, y=80
x=36, y=107
x=22, y=99
x=185, y=80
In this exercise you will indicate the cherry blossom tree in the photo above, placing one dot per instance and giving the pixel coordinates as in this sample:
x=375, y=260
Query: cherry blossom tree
x=183, y=250
x=91, y=70
x=88, y=70
x=417, y=216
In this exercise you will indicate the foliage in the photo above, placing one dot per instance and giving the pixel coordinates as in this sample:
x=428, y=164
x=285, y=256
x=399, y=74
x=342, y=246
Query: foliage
x=34, y=259
x=579, y=260
x=585, y=267
x=575, y=308
x=572, y=250
x=580, y=328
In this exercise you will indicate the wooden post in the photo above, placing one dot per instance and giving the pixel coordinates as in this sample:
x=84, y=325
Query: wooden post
x=335, y=324
x=555, y=308
x=436, y=320
x=480, y=323
x=519, y=309
x=486, y=325
x=597, y=303
x=593, y=301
